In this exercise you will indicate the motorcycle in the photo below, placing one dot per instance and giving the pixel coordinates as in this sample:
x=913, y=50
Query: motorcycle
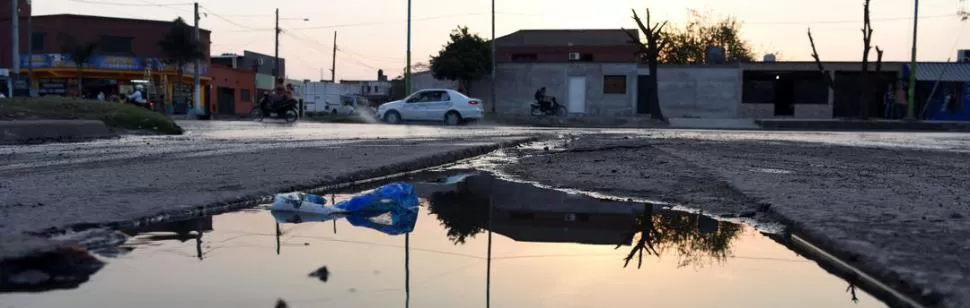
x=286, y=110
x=555, y=109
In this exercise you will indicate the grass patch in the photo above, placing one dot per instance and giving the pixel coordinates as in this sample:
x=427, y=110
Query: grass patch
x=116, y=115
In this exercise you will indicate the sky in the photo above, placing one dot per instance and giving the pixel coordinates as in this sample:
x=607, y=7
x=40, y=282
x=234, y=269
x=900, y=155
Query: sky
x=372, y=34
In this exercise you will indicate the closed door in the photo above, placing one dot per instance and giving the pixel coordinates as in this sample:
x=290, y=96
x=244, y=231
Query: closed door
x=577, y=94
x=440, y=102
x=414, y=107
x=226, y=99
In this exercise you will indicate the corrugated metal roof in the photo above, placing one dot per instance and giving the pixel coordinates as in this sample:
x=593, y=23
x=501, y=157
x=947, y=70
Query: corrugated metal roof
x=943, y=71
x=587, y=37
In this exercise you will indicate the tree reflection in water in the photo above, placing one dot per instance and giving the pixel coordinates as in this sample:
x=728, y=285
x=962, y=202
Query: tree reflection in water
x=463, y=215
x=696, y=239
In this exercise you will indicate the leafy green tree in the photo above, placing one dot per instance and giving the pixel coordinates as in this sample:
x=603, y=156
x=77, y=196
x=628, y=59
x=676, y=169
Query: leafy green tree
x=688, y=44
x=81, y=54
x=181, y=47
x=466, y=58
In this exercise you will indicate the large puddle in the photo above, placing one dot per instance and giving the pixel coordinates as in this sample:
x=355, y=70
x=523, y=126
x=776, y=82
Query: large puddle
x=478, y=241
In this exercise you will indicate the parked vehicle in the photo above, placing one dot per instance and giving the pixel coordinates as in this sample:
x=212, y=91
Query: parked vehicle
x=555, y=109
x=348, y=105
x=446, y=105
x=286, y=110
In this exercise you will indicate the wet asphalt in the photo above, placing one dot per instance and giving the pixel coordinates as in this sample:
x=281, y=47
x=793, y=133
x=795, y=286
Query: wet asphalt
x=56, y=185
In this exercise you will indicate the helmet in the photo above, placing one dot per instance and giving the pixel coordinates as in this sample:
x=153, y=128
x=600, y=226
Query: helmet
x=139, y=87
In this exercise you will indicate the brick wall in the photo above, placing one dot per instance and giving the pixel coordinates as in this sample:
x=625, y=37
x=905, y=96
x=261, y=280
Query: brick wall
x=238, y=80
x=145, y=34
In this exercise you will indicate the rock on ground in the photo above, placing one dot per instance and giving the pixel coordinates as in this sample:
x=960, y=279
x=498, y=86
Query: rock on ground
x=902, y=214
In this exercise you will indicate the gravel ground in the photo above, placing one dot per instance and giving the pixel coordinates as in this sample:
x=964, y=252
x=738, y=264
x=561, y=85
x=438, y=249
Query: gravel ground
x=899, y=209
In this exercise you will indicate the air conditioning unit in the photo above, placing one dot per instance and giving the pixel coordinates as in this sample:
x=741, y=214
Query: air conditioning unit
x=574, y=56
x=963, y=56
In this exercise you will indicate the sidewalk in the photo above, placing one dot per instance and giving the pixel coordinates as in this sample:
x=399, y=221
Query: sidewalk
x=874, y=124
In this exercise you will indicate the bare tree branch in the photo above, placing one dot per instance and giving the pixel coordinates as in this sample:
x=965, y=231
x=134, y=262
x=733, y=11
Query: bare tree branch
x=818, y=61
x=879, y=59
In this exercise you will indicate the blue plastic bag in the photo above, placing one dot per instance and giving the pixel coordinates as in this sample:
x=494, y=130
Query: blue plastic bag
x=390, y=223
x=396, y=197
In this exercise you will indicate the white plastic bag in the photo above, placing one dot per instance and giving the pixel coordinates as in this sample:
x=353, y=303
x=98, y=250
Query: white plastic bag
x=297, y=202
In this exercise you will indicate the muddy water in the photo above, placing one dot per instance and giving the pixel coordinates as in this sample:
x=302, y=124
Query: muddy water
x=477, y=242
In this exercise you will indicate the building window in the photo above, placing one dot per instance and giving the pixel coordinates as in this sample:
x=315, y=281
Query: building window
x=524, y=57
x=614, y=84
x=810, y=88
x=115, y=44
x=580, y=56
x=245, y=95
x=37, y=42
x=758, y=87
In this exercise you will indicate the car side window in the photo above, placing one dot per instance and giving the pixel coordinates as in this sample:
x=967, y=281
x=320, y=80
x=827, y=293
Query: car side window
x=444, y=97
x=417, y=97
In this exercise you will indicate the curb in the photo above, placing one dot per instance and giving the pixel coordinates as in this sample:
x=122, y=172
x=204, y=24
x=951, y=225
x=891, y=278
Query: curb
x=918, y=293
x=41, y=131
x=254, y=199
x=859, y=125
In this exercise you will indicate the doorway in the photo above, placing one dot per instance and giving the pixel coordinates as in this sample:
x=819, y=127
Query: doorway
x=643, y=94
x=226, y=100
x=784, y=95
x=577, y=94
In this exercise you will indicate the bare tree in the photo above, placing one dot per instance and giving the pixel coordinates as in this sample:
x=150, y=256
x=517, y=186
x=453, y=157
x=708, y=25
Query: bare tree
x=651, y=50
x=864, y=80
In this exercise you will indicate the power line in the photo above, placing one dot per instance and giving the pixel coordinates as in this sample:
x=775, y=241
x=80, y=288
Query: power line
x=845, y=21
x=210, y=12
x=305, y=41
x=374, y=23
x=147, y=3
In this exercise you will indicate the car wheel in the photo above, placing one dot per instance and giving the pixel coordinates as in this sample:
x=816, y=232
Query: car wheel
x=392, y=117
x=452, y=118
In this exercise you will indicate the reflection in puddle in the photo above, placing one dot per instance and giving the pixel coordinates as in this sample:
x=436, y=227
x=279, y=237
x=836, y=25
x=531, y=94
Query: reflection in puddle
x=479, y=241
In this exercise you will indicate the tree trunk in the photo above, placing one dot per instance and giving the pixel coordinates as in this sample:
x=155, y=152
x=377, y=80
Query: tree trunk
x=864, y=83
x=653, y=100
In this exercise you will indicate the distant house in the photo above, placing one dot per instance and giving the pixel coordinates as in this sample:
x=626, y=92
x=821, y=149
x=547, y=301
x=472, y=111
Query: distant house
x=378, y=90
x=591, y=72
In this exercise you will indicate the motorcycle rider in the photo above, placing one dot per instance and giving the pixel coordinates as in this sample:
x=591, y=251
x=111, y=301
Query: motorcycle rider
x=543, y=100
x=138, y=97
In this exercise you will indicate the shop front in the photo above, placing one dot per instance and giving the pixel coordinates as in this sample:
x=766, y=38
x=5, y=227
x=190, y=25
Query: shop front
x=114, y=77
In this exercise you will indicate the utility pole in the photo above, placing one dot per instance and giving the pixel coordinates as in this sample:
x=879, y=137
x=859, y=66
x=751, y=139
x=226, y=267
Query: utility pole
x=276, y=60
x=407, y=68
x=15, y=45
x=30, y=51
x=333, y=64
x=196, y=75
x=911, y=102
x=494, y=99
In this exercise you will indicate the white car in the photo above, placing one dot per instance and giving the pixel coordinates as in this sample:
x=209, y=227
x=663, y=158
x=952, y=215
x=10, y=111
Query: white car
x=446, y=105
